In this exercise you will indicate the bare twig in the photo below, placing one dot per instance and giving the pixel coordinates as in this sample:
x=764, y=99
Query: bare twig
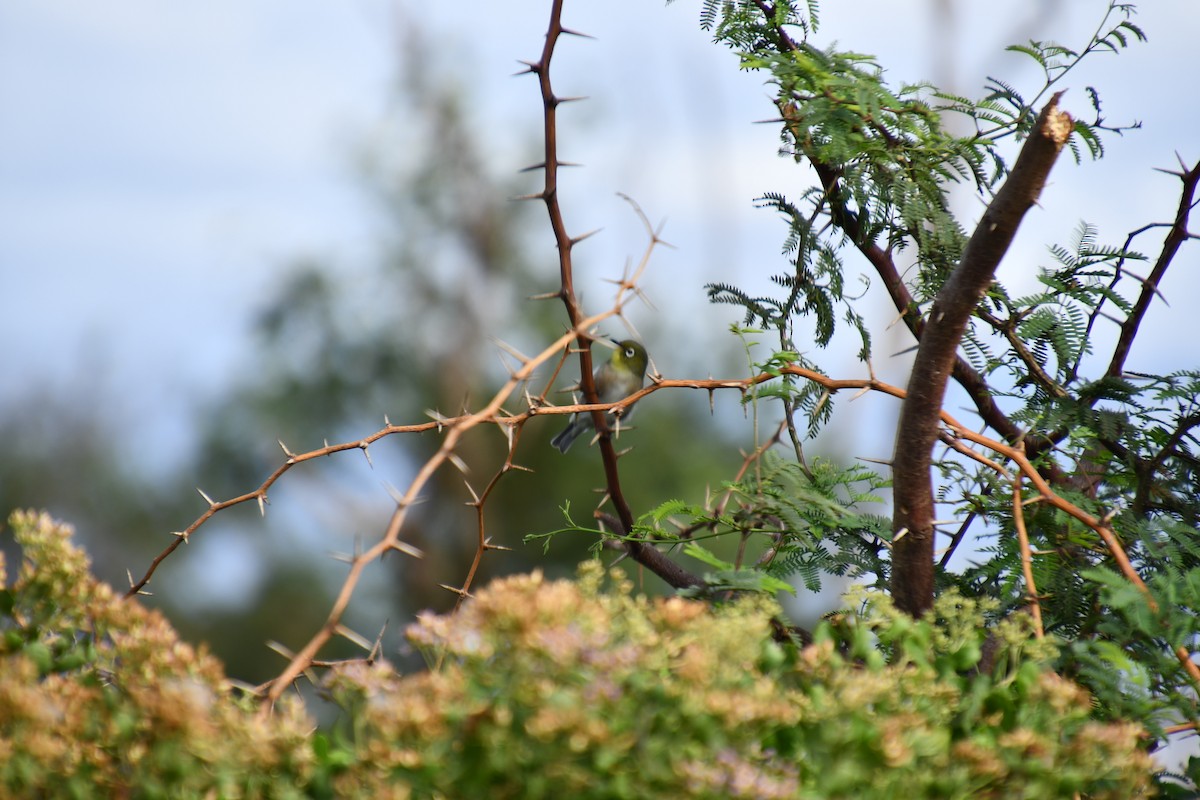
x=1035, y=606
x=565, y=242
x=1175, y=238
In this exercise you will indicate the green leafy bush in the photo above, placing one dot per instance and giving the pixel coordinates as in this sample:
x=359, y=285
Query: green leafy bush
x=99, y=698
x=544, y=688
x=565, y=689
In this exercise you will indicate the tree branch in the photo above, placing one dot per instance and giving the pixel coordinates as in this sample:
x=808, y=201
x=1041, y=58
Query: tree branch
x=648, y=556
x=963, y=373
x=912, y=570
x=1175, y=238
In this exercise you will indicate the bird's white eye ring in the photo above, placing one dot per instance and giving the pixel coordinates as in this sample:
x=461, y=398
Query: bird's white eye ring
x=629, y=352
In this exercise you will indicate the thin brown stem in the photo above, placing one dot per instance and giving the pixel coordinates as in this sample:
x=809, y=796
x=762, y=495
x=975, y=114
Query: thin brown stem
x=1031, y=594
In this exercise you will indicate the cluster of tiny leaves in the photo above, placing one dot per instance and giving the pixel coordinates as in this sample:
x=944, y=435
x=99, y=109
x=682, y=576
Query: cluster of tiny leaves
x=807, y=522
x=1005, y=111
x=814, y=289
x=797, y=521
x=887, y=156
x=1052, y=325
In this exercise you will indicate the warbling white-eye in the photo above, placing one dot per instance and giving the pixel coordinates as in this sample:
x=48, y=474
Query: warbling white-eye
x=619, y=377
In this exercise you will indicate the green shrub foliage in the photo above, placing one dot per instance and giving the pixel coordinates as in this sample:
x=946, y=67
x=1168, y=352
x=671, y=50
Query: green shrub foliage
x=541, y=688
x=99, y=698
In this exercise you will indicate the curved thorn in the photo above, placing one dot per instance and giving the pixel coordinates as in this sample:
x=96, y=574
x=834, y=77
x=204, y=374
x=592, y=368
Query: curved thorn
x=407, y=549
x=577, y=239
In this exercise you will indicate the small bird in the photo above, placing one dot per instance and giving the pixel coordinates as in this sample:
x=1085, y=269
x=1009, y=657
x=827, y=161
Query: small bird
x=615, y=380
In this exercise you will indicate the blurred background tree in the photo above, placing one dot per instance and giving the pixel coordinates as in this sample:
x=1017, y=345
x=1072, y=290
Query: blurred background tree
x=334, y=350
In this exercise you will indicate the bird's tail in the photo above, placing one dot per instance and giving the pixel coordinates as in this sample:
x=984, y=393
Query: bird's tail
x=566, y=437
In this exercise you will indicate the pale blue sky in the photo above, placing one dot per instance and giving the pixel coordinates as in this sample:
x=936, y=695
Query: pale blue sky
x=159, y=163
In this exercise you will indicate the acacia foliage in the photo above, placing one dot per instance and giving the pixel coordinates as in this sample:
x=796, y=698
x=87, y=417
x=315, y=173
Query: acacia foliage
x=1112, y=441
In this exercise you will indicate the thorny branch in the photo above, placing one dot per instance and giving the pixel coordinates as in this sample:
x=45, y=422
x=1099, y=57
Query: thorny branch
x=565, y=242
x=1035, y=605
x=391, y=538
x=493, y=412
x=454, y=427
